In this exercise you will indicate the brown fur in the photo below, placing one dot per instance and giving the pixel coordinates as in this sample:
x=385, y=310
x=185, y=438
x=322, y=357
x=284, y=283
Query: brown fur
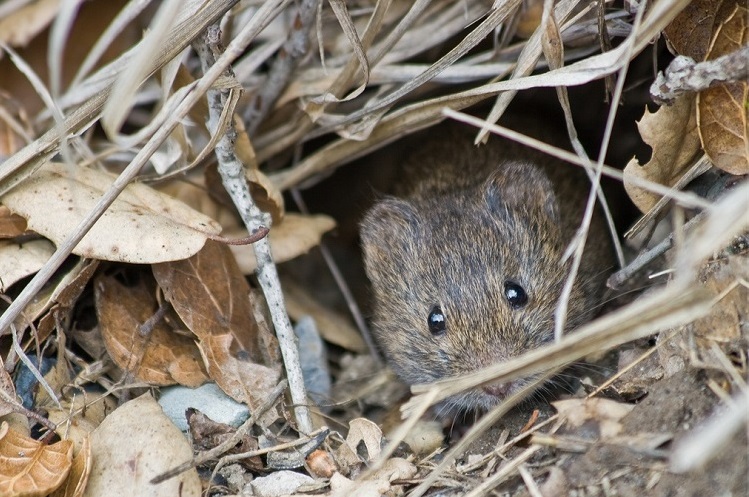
x=464, y=221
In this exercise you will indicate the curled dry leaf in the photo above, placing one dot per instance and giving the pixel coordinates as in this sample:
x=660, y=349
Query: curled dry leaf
x=158, y=355
x=75, y=483
x=671, y=132
x=362, y=430
x=238, y=377
x=723, y=110
x=141, y=226
x=134, y=444
x=29, y=467
x=65, y=296
x=294, y=236
x=79, y=416
x=213, y=299
x=20, y=260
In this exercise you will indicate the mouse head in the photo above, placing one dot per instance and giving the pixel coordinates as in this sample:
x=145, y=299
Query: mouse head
x=466, y=278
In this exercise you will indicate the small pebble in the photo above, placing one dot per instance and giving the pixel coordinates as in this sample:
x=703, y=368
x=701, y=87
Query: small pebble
x=208, y=399
x=279, y=483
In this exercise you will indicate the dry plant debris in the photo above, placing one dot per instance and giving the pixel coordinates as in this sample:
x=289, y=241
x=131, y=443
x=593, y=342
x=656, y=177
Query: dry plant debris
x=143, y=144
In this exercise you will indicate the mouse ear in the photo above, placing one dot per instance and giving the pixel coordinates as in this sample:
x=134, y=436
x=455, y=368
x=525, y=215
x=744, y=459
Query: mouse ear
x=388, y=226
x=524, y=187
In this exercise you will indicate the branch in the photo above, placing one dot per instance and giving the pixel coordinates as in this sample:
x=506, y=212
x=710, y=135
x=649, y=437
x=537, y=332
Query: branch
x=684, y=75
x=286, y=61
x=232, y=174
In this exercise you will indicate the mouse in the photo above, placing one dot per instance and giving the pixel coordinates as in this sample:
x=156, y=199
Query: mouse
x=465, y=258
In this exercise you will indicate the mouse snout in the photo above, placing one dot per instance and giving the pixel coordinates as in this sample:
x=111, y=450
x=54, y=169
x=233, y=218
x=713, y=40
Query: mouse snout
x=499, y=390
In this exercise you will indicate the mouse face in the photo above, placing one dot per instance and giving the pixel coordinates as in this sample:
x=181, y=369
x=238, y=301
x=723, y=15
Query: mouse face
x=466, y=278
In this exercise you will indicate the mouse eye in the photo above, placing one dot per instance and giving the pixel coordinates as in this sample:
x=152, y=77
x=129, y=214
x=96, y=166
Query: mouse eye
x=436, y=321
x=515, y=295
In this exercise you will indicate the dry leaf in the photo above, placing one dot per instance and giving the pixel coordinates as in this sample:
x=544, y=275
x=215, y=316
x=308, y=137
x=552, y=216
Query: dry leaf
x=213, y=299
x=723, y=111
x=334, y=328
x=75, y=484
x=239, y=378
x=362, y=430
x=79, y=416
x=159, y=355
x=11, y=225
x=141, y=226
x=603, y=413
x=691, y=31
x=265, y=194
x=294, y=236
x=671, y=132
x=207, y=434
x=30, y=468
x=20, y=260
x=65, y=296
x=134, y=444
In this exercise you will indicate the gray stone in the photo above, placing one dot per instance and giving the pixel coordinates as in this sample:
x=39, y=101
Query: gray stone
x=279, y=483
x=208, y=399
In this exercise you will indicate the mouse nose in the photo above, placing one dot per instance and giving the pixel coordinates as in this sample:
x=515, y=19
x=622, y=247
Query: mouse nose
x=499, y=390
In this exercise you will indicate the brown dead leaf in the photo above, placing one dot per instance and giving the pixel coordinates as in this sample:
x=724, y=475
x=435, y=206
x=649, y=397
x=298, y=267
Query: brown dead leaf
x=213, y=299
x=692, y=30
x=240, y=378
x=133, y=445
x=75, y=484
x=207, y=434
x=294, y=236
x=29, y=467
x=158, y=355
x=672, y=134
x=65, y=296
x=20, y=260
x=141, y=226
x=723, y=111
x=11, y=225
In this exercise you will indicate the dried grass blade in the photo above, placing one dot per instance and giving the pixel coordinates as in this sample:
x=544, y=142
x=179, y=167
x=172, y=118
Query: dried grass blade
x=195, y=16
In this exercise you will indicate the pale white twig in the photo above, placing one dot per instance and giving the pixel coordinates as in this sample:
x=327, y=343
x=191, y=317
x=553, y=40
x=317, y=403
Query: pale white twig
x=233, y=178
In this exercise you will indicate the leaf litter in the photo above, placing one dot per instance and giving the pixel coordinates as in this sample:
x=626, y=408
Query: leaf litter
x=149, y=297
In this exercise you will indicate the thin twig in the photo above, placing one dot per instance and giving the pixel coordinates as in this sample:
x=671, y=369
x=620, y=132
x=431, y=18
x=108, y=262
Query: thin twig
x=296, y=46
x=345, y=290
x=232, y=174
x=618, y=278
x=684, y=75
